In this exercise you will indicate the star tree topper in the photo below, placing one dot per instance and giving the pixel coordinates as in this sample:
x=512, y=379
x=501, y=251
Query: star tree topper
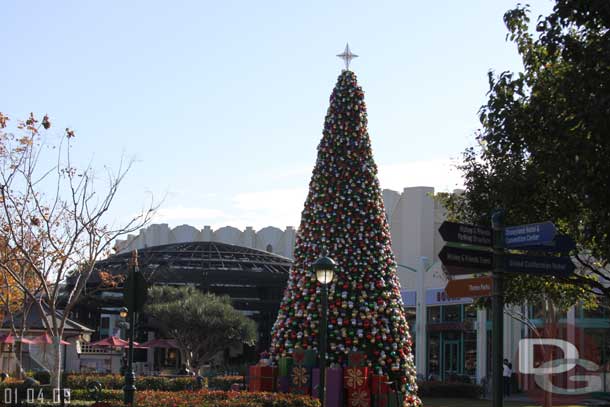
x=347, y=56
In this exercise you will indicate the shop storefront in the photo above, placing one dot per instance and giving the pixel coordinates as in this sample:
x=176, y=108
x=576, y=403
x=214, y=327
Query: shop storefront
x=451, y=336
x=452, y=342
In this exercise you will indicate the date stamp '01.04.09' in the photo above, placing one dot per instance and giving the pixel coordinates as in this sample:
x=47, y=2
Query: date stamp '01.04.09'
x=19, y=397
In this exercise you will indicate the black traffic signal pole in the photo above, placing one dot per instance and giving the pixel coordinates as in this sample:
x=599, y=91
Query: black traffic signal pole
x=497, y=308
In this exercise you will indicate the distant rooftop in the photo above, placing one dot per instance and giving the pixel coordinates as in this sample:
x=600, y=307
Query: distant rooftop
x=190, y=262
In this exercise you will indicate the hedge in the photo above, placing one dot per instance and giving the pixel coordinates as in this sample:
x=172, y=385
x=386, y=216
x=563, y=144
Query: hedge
x=77, y=382
x=80, y=381
x=440, y=389
x=223, y=382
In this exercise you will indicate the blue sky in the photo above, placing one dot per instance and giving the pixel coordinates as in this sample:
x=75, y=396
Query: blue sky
x=221, y=104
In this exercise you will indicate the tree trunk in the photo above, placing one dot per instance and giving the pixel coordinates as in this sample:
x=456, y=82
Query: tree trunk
x=19, y=355
x=56, y=368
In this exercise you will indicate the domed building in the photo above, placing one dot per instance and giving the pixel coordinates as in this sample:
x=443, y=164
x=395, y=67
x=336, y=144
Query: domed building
x=252, y=278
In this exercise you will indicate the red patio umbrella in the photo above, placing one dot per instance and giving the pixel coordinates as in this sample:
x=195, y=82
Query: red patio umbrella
x=114, y=342
x=161, y=343
x=46, y=339
x=10, y=339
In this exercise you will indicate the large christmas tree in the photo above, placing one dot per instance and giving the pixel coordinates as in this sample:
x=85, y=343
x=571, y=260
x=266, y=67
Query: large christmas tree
x=344, y=218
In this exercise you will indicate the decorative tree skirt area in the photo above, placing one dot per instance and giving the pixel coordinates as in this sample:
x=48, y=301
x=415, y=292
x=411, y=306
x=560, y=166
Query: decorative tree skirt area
x=353, y=386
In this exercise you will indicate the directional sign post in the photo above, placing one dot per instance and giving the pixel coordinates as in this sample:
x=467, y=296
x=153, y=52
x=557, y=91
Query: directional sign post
x=497, y=307
x=464, y=261
x=536, y=237
x=529, y=235
x=469, y=287
x=539, y=265
x=467, y=234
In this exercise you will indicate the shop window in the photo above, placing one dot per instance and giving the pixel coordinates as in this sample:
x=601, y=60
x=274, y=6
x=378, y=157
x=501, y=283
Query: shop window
x=597, y=313
x=451, y=336
x=470, y=353
x=451, y=313
x=537, y=311
x=470, y=312
x=599, y=342
x=434, y=315
x=104, y=326
x=489, y=353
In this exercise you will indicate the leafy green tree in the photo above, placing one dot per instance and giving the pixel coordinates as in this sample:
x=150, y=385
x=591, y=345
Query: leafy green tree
x=543, y=151
x=202, y=324
x=544, y=146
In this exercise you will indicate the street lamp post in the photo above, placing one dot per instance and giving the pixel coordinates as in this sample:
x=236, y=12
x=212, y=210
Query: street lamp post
x=324, y=268
x=130, y=376
x=135, y=297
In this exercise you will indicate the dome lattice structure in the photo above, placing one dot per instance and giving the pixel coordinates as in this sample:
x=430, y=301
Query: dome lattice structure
x=254, y=279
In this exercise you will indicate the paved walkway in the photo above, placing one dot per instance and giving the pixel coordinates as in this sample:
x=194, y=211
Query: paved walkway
x=523, y=398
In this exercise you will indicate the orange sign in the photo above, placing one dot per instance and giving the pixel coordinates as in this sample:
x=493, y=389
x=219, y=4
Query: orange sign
x=469, y=287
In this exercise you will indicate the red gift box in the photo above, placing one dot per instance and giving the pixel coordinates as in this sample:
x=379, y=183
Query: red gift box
x=299, y=356
x=268, y=375
x=255, y=379
x=355, y=359
x=379, y=384
x=359, y=398
x=356, y=378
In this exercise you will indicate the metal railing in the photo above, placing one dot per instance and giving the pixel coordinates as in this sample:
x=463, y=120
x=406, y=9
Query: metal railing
x=86, y=348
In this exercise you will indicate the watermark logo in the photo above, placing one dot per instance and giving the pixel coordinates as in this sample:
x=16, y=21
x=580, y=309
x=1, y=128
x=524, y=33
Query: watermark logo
x=561, y=362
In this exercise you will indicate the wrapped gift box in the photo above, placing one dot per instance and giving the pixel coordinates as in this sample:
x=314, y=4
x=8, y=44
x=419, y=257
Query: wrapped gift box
x=379, y=384
x=254, y=378
x=359, y=398
x=355, y=378
x=315, y=382
x=395, y=399
x=355, y=359
x=305, y=357
x=334, y=387
x=300, y=380
x=380, y=400
x=285, y=366
x=283, y=384
x=298, y=356
x=311, y=358
x=268, y=375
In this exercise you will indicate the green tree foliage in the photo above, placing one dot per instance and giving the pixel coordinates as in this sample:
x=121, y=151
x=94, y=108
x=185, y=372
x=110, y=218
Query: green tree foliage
x=544, y=144
x=202, y=324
